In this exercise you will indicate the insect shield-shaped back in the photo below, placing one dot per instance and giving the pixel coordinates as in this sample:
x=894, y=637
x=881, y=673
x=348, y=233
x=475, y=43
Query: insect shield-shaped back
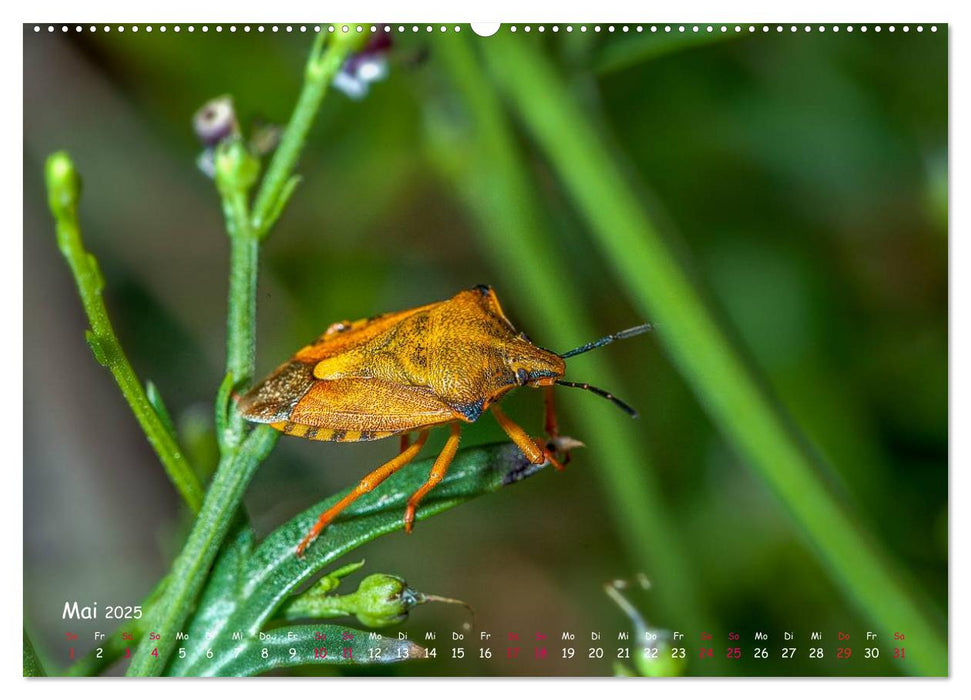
x=399, y=372
x=409, y=371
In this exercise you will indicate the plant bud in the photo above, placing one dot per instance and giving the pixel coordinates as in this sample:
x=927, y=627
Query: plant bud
x=215, y=121
x=379, y=601
x=63, y=183
x=367, y=65
x=383, y=599
x=235, y=167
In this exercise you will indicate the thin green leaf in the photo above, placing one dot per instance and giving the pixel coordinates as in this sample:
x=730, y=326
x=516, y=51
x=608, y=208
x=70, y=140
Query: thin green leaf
x=245, y=598
x=155, y=398
x=219, y=598
x=96, y=349
x=198, y=438
x=274, y=572
x=94, y=270
x=279, y=205
x=222, y=409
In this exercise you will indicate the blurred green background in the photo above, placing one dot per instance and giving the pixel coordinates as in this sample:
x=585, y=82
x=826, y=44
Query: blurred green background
x=805, y=173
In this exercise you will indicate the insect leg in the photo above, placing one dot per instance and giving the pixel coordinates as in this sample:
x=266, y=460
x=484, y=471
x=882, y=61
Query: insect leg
x=405, y=441
x=551, y=423
x=366, y=484
x=533, y=449
x=436, y=475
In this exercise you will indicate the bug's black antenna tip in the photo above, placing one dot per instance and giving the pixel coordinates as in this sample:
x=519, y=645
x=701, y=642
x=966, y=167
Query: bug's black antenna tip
x=600, y=392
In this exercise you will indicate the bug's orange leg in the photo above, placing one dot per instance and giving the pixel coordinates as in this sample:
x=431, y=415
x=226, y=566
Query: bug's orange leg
x=551, y=424
x=533, y=449
x=366, y=484
x=435, y=476
x=405, y=441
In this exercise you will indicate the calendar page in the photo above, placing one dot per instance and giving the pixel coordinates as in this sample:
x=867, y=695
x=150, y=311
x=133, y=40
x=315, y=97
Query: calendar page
x=545, y=350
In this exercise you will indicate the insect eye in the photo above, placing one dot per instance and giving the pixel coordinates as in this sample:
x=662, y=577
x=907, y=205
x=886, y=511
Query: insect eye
x=522, y=376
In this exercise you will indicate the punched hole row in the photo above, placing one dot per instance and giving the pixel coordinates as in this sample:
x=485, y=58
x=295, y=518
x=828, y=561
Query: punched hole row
x=555, y=28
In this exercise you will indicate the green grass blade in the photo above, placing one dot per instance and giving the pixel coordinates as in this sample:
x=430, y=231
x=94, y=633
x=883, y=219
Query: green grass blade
x=517, y=237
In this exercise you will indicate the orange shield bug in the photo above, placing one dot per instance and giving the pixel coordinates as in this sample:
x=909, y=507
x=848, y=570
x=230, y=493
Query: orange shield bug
x=408, y=371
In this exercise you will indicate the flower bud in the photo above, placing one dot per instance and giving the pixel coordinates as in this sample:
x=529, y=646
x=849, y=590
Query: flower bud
x=383, y=599
x=234, y=166
x=63, y=183
x=366, y=66
x=215, y=121
x=379, y=601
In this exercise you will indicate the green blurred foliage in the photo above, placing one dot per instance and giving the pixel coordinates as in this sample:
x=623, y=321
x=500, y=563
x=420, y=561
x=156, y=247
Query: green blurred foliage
x=806, y=173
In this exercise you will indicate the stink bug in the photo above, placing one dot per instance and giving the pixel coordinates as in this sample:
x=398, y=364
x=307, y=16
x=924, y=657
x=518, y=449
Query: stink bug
x=407, y=371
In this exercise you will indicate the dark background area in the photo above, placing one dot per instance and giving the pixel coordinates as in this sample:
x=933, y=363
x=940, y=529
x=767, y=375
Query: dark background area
x=805, y=173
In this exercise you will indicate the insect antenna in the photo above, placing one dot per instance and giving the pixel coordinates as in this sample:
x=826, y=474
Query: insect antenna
x=606, y=340
x=600, y=392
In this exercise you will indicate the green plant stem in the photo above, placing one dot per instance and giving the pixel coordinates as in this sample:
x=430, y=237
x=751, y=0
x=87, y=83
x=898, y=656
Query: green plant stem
x=240, y=351
x=723, y=382
x=517, y=236
x=244, y=255
x=235, y=172
x=191, y=568
x=326, y=59
x=247, y=228
x=64, y=192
